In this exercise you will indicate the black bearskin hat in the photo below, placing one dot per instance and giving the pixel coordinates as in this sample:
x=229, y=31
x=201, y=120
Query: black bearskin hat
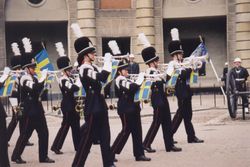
x=83, y=46
x=149, y=55
x=63, y=63
x=122, y=64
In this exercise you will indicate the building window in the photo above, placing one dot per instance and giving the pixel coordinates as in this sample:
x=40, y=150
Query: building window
x=115, y=4
x=35, y=3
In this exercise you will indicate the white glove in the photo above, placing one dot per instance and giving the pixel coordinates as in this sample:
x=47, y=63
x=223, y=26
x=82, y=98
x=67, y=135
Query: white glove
x=107, y=62
x=44, y=74
x=140, y=78
x=170, y=68
x=78, y=82
x=5, y=75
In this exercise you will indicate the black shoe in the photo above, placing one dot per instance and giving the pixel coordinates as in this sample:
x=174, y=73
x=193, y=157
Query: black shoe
x=142, y=158
x=174, y=149
x=56, y=151
x=47, y=160
x=112, y=165
x=115, y=160
x=149, y=149
x=19, y=161
x=195, y=140
x=175, y=142
x=29, y=143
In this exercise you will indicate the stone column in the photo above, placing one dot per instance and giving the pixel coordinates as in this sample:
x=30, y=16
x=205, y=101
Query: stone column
x=231, y=30
x=243, y=31
x=3, y=58
x=144, y=23
x=86, y=18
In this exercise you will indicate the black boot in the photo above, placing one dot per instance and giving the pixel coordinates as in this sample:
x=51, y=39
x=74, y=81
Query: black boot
x=142, y=158
x=149, y=149
x=47, y=160
x=19, y=161
x=195, y=140
x=174, y=149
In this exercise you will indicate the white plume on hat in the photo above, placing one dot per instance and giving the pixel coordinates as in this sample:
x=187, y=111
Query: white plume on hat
x=175, y=34
x=60, y=49
x=77, y=30
x=15, y=49
x=143, y=39
x=114, y=47
x=27, y=45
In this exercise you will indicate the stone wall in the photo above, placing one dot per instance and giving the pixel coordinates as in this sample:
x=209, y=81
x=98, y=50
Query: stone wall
x=2, y=36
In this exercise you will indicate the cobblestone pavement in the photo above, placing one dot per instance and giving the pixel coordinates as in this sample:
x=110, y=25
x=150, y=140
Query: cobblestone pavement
x=227, y=142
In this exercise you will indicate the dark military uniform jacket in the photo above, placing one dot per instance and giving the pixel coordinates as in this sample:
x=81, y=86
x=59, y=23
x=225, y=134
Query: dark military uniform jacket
x=68, y=88
x=31, y=91
x=159, y=96
x=92, y=80
x=240, y=76
x=182, y=87
x=2, y=111
x=125, y=90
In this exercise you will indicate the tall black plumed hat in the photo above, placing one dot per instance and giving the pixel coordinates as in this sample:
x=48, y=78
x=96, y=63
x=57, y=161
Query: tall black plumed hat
x=175, y=45
x=149, y=52
x=63, y=62
x=27, y=56
x=83, y=45
x=15, y=61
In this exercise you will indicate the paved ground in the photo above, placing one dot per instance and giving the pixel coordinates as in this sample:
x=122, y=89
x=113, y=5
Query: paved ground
x=227, y=142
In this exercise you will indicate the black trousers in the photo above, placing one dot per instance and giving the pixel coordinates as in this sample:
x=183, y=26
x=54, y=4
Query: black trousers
x=39, y=124
x=4, y=158
x=161, y=117
x=131, y=123
x=95, y=123
x=13, y=123
x=69, y=120
x=184, y=112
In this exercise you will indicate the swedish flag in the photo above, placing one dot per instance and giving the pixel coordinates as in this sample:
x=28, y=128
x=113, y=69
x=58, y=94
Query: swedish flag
x=81, y=93
x=144, y=92
x=6, y=90
x=173, y=79
x=194, y=77
x=42, y=62
x=113, y=72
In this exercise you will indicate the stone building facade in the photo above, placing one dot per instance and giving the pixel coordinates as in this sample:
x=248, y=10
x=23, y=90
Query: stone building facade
x=223, y=24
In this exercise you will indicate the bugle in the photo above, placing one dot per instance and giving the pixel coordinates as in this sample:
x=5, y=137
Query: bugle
x=100, y=59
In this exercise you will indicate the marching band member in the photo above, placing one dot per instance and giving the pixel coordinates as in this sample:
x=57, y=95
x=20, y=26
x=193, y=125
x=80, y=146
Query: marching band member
x=71, y=118
x=96, y=110
x=129, y=113
x=16, y=117
x=4, y=158
x=160, y=104
x=182, y=89
x=240, y=75
x=34, y=117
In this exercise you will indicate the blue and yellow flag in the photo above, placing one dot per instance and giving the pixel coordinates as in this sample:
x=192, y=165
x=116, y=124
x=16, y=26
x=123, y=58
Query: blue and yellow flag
x=112, y=75
x=193, y=77
x=6, y=90
x=172, y=81
x=144, y=92
x=42, y=62
x=81, y=93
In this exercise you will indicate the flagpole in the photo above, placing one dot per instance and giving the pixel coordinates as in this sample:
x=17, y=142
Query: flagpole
x=215, y=73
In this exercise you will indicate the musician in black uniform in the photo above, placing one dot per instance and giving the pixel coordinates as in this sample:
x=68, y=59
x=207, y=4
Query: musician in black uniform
x=4, y=158
x=34, y=117
x=238, y=76
x=224, y=75
x=96, y=110
x=160, y=105
x=71, y=118
x=129, y=113
x=16, y=116
x=183, y=91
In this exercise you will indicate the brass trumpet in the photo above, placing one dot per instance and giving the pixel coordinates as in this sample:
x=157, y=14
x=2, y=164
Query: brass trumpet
x=100, y=59
x=79, y=104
